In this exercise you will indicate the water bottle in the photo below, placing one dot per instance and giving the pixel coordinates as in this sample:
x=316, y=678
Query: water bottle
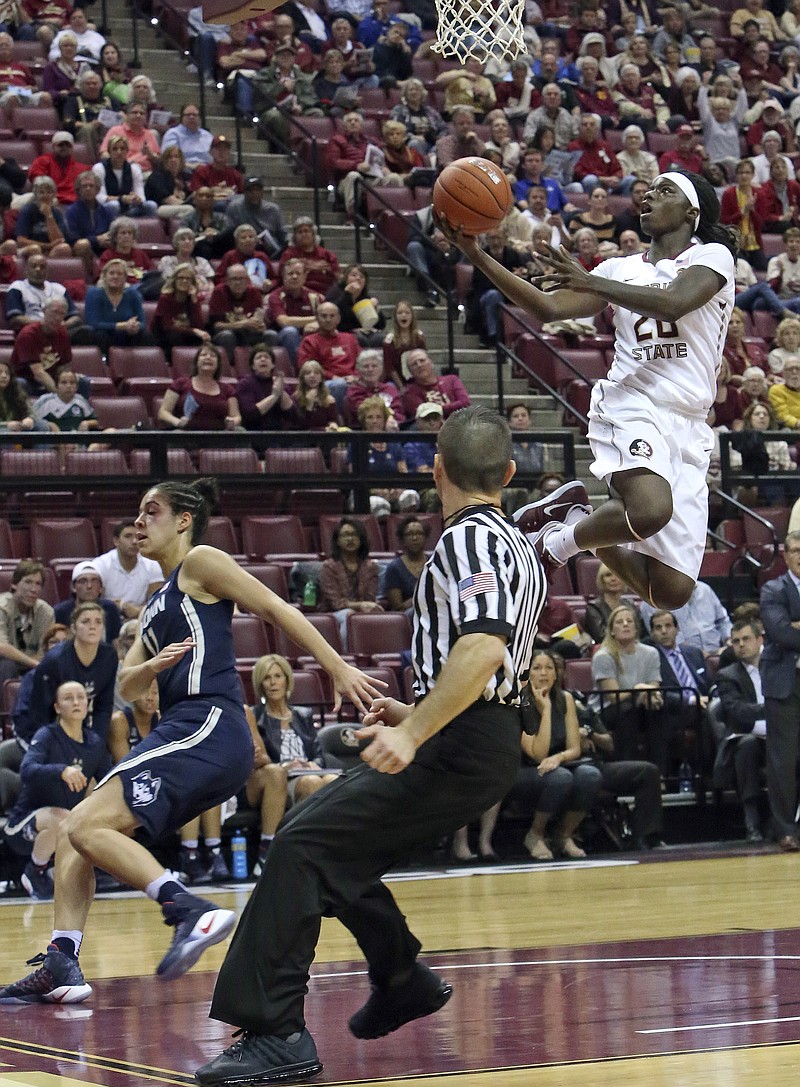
x=239, y=855
x=310, y=593
x=685, y=778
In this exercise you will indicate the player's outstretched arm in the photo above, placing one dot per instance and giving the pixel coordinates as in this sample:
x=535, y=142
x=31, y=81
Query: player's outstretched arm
x=546, y=305
x=213, y=573
x=688, y=291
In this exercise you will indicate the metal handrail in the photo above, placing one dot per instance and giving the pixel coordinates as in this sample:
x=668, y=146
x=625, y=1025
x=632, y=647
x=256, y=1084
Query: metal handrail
x=359, y=480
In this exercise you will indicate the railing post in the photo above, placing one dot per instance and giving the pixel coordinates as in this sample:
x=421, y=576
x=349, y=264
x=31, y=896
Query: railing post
x=134, y=61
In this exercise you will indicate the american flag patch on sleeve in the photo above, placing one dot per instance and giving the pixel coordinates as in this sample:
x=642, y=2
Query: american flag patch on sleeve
x=483, y=582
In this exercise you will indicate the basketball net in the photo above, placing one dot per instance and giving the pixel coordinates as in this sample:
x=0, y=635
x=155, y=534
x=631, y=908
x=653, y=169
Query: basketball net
x=480, y=28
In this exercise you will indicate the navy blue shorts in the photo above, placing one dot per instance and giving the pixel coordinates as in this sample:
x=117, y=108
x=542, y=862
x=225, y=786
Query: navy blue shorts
x=199, y=755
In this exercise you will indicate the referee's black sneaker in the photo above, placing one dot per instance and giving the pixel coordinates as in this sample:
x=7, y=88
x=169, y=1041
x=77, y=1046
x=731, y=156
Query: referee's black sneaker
x=262, y=1058
x=388, y=1009
x=567, y=505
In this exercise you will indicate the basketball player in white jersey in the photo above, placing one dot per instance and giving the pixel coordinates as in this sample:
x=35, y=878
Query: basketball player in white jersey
x=647, y=420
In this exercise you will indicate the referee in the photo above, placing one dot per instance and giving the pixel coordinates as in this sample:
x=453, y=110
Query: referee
x=430, y=768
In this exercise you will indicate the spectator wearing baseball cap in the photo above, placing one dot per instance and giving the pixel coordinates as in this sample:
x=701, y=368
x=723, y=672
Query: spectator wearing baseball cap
x=281, y=90
x=686, y=155
x=773, y=148
x=418, y=455
x=771, y=118
x=59, y=165
x=265, y=217
x=87, y=585
x=225, y=180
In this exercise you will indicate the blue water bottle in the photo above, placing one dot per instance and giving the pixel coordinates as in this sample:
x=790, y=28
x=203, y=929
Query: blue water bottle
x=239, y=855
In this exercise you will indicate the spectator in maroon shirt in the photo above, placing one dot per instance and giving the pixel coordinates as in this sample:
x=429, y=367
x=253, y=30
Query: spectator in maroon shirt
x=236, y=312
x=314, y=407
x=426, y=386
x=262, y=396
x=42, y=349
x=335, y=351
x=123, y=235
x=259, y=267
x=686, y=155
x=292, y=307
x=770, y=208
x=178, y=320
x=772, y=119
x=225, y=180
x=370, y=371
x=592, y=93
x=597, y=163
x=202, y=401
x=321, y=265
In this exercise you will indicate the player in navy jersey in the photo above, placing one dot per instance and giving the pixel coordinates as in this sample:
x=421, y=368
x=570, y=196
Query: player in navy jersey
x=647, y=421
x=62, y=764
x=200, y=753
x=84, y=657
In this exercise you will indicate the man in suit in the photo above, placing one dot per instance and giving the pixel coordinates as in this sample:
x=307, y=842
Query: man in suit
x=780, y=613
x=741, y=754
x=684, y=684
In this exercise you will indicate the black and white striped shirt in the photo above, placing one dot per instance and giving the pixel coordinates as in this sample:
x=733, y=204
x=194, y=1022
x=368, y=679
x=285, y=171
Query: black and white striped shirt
x=483, y=578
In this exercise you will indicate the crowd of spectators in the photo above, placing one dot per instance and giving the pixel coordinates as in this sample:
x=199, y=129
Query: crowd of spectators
x=285, y=338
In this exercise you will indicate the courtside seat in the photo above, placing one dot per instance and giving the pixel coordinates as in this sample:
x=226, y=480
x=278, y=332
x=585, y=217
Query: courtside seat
x=120, y=412
x=327, y=625
x=178, y=462
x=586, y=567
x=378, y=636
x=59, y=538
x=250, y=640
x=266, y=536
x=129, y=362
x=271, y=575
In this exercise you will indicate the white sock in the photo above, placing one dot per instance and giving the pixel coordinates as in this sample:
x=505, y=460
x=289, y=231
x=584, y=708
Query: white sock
x=190, y=844
x=152, y=889
x=561, y=543
x=73, y=934
x=267, y=837
x=38, y=861
x=213, y=844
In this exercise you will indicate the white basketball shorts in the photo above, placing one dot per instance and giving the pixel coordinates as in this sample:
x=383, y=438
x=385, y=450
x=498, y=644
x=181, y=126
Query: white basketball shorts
x=627, y=430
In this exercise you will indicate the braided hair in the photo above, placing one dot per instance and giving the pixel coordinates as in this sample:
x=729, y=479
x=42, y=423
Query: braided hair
x=200, y=498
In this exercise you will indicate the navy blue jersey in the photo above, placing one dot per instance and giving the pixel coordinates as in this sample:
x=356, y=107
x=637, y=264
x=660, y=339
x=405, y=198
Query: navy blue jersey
x=209, y=669
x=60, y=665
x=51, y=751
x=134, y=735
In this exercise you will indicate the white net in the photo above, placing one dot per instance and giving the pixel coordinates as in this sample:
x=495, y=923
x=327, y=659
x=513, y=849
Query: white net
x=480, y=28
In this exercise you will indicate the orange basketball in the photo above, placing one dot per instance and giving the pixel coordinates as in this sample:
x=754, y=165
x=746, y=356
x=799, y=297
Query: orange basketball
x=473, y=195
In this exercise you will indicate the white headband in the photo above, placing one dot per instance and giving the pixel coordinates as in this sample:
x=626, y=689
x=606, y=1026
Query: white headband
x=684, y=184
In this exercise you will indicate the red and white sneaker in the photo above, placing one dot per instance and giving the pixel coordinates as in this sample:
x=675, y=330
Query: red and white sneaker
x=234, y=11
x=567, y=505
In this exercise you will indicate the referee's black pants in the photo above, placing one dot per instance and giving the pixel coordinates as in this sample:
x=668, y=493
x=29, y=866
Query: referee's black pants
x=329, y=854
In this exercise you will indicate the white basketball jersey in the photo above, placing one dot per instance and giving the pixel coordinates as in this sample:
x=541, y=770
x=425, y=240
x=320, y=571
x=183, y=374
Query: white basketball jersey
x=673, y=363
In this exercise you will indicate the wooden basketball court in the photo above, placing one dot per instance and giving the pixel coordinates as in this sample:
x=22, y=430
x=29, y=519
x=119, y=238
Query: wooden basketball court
x=607, y=972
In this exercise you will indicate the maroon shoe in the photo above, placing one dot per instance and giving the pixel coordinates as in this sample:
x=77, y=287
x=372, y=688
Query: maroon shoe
x=567, y=505
x=234, y=11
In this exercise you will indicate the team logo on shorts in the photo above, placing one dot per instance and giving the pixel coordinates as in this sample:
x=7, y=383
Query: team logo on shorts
x=640, y=448
x=349, y=738
x=145, y=789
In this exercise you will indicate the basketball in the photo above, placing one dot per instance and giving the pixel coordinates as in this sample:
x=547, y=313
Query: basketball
x=473, y=195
